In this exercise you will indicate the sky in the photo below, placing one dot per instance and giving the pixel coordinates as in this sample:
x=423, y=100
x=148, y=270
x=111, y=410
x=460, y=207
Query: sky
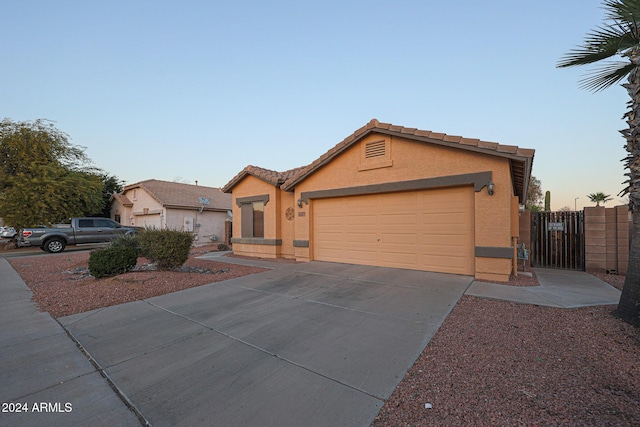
x=197, y=90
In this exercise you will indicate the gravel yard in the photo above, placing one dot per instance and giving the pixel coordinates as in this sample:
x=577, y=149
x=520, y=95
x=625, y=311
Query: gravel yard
x=62, y=286
x=498, y=363
x=492, y=363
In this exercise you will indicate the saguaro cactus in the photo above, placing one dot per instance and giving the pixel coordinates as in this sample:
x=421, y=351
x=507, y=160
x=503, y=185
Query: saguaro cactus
x=547, y=201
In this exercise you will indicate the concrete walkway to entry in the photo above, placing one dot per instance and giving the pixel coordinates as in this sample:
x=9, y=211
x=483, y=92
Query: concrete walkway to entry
x=558, y=288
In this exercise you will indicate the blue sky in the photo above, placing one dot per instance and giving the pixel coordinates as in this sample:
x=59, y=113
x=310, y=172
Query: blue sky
x=196, y=90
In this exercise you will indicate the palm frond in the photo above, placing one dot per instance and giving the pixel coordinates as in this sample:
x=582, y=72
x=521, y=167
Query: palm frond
x=608, y=74
x=599, y=44
x=620, y=37
x=622, y=10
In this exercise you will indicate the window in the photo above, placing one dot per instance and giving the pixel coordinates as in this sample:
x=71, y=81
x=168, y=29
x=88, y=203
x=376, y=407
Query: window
x=258, y=219
x=85, y=223
x=104, y=223
x=253, y=219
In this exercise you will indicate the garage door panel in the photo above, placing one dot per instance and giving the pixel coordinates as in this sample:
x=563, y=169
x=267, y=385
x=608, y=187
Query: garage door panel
x=400, y=263
x=358, y=257
x=425, y=230
x=329, y=221
x=359, y=238
x=332, y=255
x=331, y=236
x=361, y=220
x=405, y=239
x=398, y=218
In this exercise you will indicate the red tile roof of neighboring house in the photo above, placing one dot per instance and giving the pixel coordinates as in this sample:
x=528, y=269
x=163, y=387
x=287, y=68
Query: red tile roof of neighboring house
x=179, y=195
x=521, y=158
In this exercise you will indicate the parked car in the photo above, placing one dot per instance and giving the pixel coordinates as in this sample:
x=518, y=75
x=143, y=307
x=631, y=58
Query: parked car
x=8, y=232
x=79, y=231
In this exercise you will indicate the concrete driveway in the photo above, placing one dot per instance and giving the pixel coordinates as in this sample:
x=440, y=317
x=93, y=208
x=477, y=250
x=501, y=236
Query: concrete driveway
x=313, y=344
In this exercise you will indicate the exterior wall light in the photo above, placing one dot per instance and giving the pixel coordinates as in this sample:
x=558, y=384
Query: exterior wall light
x=299, y=202
x=490, y=188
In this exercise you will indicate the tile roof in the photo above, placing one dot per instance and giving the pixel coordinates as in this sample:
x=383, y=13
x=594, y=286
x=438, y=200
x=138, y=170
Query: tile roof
x=179, y=195
x=491, y=148
x=124, y=200
x=521, y=158
x=272, y=177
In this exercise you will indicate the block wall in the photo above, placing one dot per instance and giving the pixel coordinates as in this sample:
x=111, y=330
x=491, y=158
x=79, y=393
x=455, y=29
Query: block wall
x=606, y=239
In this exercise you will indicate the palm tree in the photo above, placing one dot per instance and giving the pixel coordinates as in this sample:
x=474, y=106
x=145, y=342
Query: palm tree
x=619, y=37
x=599, y=197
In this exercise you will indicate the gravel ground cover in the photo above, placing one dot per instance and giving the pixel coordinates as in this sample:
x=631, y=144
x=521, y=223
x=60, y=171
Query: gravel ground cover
x=492, y=363
x=62, y=285
x=498, y=363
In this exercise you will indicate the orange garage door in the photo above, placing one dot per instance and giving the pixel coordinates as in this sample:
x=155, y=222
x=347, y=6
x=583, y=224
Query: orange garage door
x=429, y=230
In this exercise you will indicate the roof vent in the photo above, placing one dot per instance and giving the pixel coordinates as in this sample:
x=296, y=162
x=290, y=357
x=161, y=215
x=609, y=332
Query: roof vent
x=375, y=149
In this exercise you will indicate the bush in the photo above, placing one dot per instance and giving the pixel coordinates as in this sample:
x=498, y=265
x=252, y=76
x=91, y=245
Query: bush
x=169, y=249
x=129, y=240
x=223, y=247
x=111, y=261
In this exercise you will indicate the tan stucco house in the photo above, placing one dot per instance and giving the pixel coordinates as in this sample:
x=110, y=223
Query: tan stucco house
x=162, y=204
x=390, y=196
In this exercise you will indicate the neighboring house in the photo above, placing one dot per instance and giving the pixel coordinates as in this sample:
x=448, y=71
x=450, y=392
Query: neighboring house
x=162, y=204
x=390, y=196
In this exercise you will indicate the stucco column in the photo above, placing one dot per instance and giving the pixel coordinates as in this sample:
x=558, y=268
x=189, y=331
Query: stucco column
x=595, y=239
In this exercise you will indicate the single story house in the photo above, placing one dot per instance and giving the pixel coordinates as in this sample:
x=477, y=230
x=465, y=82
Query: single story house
x=390, y=196
x=174, y=205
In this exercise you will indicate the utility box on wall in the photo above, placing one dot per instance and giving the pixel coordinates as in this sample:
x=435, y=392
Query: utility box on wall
x=188, y=223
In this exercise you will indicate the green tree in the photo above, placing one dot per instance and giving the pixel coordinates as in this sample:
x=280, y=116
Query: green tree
x=619, y=38
x=44, y=178
x=598, y=198
x=534, y=195
x=110, y=184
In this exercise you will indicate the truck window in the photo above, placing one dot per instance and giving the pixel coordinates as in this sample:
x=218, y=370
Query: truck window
x=104, y=223
x=85, y=223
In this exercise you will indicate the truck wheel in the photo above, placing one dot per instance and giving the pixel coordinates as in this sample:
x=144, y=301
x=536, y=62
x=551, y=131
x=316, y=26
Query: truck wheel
x=55, y=245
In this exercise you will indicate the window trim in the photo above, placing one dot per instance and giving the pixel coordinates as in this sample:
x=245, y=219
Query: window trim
x=261, y=198
x=247, y=215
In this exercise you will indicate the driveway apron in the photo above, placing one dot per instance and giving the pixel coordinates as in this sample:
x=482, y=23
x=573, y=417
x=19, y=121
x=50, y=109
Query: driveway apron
x=313, y=344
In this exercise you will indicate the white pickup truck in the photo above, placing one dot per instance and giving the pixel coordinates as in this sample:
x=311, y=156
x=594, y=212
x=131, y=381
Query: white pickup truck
x=79, y=231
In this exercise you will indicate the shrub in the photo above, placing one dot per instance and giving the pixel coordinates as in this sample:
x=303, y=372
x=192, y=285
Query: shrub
x=129, y=240
x=111, y=261
x=169, y=249
x=223, y=247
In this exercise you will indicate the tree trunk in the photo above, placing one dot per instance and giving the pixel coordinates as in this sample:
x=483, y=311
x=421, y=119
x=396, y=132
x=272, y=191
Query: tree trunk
x=629, y=305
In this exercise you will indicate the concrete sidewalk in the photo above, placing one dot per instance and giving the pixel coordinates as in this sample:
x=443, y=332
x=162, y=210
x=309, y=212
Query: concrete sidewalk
x=44, y=377
x=558, y=288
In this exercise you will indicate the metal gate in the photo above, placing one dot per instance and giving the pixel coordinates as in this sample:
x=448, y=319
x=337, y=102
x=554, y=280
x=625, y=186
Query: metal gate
x=557, y=240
